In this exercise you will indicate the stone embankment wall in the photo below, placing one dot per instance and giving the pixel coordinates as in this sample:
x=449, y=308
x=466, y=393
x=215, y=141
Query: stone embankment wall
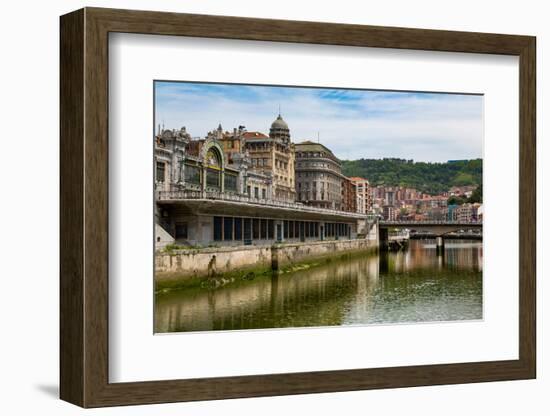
x=210, y=262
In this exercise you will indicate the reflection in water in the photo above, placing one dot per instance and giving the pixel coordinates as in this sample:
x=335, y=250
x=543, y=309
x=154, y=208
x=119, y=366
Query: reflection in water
x=411, y=286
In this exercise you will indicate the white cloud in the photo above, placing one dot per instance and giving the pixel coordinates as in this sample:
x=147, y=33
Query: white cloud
x=354, y=124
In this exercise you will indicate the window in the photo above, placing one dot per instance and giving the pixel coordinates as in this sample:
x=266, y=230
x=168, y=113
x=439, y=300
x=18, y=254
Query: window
x=212, y=178
x=264, y=193
x=217, y=228
x=270, y=226
x=181, y=230
x=192, y=174
x=286, y=229
x=256, y=192
x=238, y=229
x=227, y=228
x=291, y=229
x=247, y=229
x=213, y=158
x=248, y=190
x=230, y=182
x=161, y=171
x=263, y=229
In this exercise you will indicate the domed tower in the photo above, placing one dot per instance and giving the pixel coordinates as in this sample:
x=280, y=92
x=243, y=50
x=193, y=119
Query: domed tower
x=279, y=130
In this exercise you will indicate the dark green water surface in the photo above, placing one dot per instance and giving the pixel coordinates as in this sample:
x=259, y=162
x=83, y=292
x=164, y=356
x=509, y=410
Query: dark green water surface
x=404, y=287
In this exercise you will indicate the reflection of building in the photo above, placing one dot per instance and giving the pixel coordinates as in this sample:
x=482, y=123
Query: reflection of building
x=318, y=176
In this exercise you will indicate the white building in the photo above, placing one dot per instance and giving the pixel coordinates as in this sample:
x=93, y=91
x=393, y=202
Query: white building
x=364, y=200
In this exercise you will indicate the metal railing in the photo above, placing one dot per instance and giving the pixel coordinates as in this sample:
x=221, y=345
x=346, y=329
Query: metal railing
x=426, y=222
x=189, y=194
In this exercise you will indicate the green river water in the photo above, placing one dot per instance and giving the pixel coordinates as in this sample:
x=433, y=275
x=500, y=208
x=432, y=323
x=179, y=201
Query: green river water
x=415, y=285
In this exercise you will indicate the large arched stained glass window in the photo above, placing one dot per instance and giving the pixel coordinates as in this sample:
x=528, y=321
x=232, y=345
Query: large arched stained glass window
x=214, y=168
x=213, y=159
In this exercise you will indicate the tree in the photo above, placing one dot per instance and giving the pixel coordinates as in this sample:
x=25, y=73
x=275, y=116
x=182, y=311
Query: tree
x=431, y=178
x=477, y=195
x=455, y=200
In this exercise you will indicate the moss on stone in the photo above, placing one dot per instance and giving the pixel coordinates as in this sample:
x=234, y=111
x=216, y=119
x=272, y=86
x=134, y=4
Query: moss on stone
x=174, y=281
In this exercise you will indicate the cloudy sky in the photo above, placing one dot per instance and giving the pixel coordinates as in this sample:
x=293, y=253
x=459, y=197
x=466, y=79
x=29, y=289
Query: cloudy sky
x=354, y=124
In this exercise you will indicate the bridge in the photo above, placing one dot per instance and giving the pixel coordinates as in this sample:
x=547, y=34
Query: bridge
x=437, y=228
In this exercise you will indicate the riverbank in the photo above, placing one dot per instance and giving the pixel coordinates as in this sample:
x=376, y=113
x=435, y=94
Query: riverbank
x=408, y=286
x=214, y=266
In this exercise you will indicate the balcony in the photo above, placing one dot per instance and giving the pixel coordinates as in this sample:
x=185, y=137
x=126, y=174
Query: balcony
x=167, y=197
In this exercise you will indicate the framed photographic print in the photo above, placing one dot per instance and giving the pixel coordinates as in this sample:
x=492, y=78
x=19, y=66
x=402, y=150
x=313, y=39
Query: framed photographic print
x=255, y=207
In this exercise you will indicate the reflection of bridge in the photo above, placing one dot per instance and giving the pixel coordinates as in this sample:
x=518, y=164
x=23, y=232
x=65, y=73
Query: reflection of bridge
x=436, y=228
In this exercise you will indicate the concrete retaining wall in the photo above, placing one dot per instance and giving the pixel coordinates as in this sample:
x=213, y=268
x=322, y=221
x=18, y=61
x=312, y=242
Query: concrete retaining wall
x=209, y=262
x=297, y=253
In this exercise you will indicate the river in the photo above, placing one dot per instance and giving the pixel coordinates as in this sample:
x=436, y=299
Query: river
x=415, y=285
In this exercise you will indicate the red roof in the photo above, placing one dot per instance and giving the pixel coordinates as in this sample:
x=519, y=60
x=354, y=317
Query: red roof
x=357, y=179
x=254, y=135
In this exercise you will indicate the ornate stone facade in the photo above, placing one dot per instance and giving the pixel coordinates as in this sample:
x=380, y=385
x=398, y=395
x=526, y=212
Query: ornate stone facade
x=318, y=176
x=246, y=163
x=239, y=188
x=274, y=155
x=185, y=163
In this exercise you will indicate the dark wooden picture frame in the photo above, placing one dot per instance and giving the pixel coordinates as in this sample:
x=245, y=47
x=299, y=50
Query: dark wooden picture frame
x=84, y=207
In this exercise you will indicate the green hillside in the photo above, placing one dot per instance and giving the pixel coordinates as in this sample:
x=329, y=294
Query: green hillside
x=431, y=178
